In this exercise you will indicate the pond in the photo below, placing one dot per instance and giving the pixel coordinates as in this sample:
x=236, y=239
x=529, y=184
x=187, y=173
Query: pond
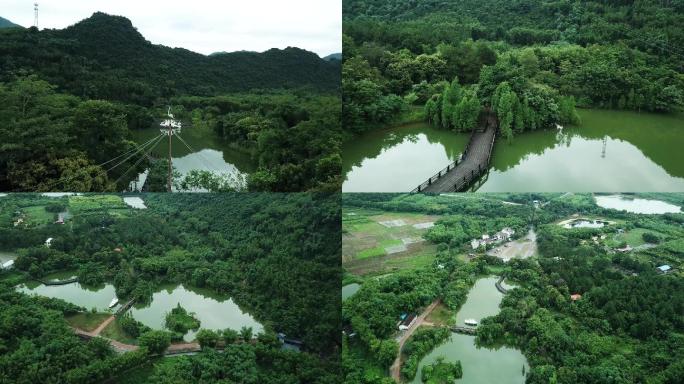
x=88, y=297
x=399, y=159
x=611, y=151
x=349, y=290
x=212, y=310
x=135, y=202
x=209, y=153
x=584, y=223
x=7, y=256
x=636, y=205
x=480, y=365
x=60, y=194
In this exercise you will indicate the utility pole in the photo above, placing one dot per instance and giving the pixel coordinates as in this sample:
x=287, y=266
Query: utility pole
x=35, y=15
x=605, y=143
x=170, y=127
x=168, y=187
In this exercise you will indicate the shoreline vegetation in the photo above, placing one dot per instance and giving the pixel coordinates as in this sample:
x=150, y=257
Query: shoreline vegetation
x=457, y=59
x=571, y=299
x=215, y=242
x=70, y=110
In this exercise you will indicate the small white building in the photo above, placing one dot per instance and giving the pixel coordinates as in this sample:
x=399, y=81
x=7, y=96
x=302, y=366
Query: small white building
x=475, y=243
x=407, y=322
x=664, y=269
x=8, y=264
x=508, y=232
x=48, y=242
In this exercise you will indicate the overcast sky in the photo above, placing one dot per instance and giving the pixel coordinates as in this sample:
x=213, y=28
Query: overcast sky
x=204, y=26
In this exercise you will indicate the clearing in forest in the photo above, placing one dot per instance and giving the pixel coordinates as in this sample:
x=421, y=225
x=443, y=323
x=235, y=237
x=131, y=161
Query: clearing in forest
x=380, y=242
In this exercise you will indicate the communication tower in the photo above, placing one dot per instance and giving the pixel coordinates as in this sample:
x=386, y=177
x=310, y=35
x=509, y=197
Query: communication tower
x=35, y=15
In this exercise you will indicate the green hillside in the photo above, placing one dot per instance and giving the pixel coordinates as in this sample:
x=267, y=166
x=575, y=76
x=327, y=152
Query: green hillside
x=4, y=23
x=106, y=57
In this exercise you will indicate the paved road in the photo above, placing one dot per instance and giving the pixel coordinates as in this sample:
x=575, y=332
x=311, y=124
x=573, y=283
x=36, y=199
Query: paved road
x=395, y=369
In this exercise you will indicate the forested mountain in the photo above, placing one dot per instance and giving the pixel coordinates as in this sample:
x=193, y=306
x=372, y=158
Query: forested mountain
x=106, y=57
x=70, y=98
x=4, y=23
x=333, y=56
x=546, y=56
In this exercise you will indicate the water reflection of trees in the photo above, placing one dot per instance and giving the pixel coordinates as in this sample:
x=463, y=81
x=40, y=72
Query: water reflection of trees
x=371, y=145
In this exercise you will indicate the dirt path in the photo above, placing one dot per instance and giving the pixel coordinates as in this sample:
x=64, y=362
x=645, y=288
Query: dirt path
x=395, y=369
x=122, y=347
x=102, y=326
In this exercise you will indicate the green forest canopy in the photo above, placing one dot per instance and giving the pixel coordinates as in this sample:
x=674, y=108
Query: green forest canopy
x=68, y=107
x=277, y=255
x=627, y=326
x=609, y=54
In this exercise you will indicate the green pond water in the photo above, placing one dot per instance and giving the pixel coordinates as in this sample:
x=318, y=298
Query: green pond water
x=611, y=151
x=135, y=202
x=98, y=297
x=636, y=205
x=212, y=310
x=480, y=365
x=210, y=153
x=7, y=256
x=349, y=290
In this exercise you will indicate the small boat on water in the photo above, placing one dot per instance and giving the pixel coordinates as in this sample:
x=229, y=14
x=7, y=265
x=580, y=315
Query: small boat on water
x=471, y=322
x=114, y=302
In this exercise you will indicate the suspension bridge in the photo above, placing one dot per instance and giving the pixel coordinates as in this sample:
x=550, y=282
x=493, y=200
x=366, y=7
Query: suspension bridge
x=170, y=128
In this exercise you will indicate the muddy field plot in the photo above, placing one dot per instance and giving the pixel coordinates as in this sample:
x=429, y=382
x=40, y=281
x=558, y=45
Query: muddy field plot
x=382, y=242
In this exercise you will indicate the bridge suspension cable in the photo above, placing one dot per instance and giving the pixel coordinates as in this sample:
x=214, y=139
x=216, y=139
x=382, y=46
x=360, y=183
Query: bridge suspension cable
x=206, y=161
x=137, y=149
x=144, y=155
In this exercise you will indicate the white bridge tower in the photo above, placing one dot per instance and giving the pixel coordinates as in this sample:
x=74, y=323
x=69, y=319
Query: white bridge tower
x=170, y=127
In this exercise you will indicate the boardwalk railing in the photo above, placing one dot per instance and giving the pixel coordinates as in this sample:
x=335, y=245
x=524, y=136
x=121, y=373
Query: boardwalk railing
x=464, y=330
x=124, y=307
x=500, y=287
x=57, y=282
x=439, y=174
x=471, y=165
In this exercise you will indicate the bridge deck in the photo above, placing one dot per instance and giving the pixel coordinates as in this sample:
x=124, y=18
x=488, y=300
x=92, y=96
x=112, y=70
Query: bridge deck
x=474, y=163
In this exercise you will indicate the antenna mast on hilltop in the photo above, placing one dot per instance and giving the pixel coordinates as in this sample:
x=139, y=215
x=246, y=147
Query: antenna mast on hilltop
x=35, y=15
x=170, y=127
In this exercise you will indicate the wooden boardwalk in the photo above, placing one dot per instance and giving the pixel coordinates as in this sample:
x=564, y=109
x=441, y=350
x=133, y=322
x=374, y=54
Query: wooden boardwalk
x=472, y=164
x=463, y=330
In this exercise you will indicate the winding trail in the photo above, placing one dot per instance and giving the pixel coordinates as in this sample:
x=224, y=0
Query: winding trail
x=102, y=326
x=174, y=349
x=395, y=369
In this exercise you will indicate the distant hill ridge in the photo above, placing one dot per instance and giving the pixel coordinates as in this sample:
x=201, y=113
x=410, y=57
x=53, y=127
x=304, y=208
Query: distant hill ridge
x=4, y=23
x=105, y=56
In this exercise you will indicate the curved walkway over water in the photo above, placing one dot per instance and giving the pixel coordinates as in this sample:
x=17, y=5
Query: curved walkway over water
x=473, y=163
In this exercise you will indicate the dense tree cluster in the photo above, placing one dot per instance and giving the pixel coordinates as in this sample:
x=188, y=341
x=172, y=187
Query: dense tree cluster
x=620, y=55
x=37, y=346
x=441, y=372
x=418, y=346
x=68, y=107
x=294, y=138
x=276, y=255
x=105, y=57
x=626, y=327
